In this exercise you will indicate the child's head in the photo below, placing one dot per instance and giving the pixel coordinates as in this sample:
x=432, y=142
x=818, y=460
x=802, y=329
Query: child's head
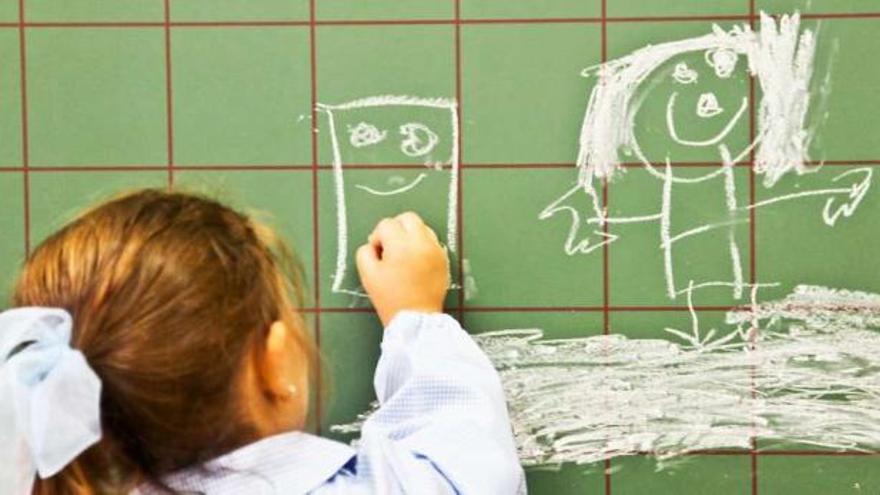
x=187, y=311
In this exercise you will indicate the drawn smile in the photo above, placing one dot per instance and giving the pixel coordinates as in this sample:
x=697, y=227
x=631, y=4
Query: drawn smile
x=392, y=192
x=670, y=122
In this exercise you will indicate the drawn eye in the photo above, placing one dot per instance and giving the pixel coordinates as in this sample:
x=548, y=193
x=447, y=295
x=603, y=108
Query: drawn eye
x=364, y=134
x=723, y=60
x=418, y=140
x=684, y=74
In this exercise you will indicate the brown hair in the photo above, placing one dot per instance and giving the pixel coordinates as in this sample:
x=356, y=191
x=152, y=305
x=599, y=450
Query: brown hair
x=170, y=294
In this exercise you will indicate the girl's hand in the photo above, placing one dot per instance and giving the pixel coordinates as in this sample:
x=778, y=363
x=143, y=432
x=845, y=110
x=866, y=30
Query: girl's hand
x=404, y=267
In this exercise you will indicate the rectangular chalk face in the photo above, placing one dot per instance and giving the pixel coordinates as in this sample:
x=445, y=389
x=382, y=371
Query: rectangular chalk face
x=12, y=226
x=518, y=224
x=383, y=10
x=680, y=99
x=10, y=99
x=819, y=229
x=502, y=9
x=819, y=474
x=421, y=135
x=716, y=474
x=687, y=229
x=280, y=199
x=97, y=97
x=239, y=10
x=231, y=107
x=514, y=115
x=59, y=197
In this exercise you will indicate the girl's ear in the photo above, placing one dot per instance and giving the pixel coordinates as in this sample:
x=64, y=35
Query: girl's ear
x=277, y=365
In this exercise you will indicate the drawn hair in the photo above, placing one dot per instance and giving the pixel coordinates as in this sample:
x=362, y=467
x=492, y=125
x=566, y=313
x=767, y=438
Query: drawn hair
x=780, y=57
x=172, y=295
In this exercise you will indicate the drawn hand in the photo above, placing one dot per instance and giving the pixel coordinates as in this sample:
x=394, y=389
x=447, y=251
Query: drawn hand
x=592, y=237
x=404, y=267
x=855, y=193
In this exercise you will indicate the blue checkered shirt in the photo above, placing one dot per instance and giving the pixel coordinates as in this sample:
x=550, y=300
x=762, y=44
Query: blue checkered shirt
x=442, y=427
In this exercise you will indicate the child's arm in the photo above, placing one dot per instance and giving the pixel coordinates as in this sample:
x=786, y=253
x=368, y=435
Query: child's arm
x=443, y=420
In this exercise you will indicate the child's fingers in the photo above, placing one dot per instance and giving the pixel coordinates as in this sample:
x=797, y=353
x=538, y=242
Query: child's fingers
x=367, y=257
x=432, y=234
x=387, y=229
x=410, y=221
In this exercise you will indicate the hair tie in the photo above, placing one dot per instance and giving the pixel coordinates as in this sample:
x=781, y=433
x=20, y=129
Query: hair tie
x=49, y=397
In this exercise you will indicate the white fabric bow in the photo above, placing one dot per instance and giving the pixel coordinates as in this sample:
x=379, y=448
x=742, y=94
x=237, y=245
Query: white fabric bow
x=49, y=397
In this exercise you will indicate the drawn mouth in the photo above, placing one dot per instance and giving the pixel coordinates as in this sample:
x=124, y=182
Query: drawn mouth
x=673, y=132
x=392, y=192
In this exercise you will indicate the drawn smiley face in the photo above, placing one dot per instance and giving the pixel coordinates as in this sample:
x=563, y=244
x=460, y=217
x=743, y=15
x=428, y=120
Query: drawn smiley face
x=690, y=114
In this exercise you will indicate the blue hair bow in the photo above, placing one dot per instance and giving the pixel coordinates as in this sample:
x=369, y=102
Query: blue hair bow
x=49, y=397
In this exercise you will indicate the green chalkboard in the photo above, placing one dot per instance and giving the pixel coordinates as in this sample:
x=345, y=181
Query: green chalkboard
x=325, y=116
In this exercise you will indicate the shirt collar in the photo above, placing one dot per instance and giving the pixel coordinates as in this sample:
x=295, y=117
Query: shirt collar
x=294, y=462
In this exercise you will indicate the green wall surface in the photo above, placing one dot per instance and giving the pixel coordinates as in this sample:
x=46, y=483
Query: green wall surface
x=235, y=98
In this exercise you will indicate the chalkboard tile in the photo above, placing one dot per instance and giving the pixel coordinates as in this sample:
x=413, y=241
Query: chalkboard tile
x=568, y=479
x=637, y=264
x=517, y=259
x=239, y=10
x=10, y=100
x=8, y=10
x=350, y=349
x=640, y=8
x=58, y=197
x=363, y=210
x=222, y=114
x=818, y=6
x=97, y=97
x=94, y=11
x=819, y=475
x=852, y=106
x=796, y=246
x=716, y=474
x=281, y=199
x=514, y=115
x=12, y=227
x=383, y=10
x=503, y=9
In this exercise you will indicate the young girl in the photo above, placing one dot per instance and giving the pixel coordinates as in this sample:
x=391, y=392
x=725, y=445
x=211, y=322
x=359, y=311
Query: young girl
x=155, y=346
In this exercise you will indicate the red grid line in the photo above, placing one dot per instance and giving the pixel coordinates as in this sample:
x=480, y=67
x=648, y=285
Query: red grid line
x=25, y=146
x=459, y=207
x=606, y=253
x=389, y=166
x=316, y=245
x=582, y=309
x=414, y=22
x=753, y=447
x=169, y=103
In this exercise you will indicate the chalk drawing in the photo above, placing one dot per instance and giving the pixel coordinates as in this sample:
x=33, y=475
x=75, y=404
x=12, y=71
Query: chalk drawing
x=780, y=57
x=393, y=192
x=364, y=134
x=417, y=140
x=815, y=376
